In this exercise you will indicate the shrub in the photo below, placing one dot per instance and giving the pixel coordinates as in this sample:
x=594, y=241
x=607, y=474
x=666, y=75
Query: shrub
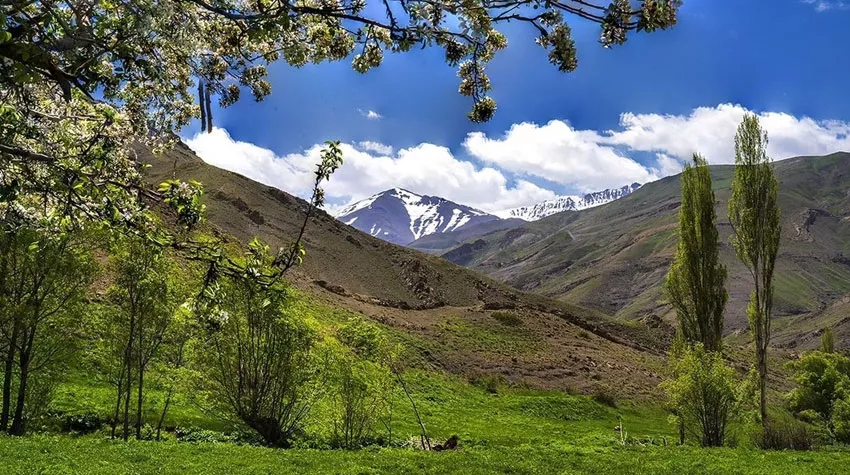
x=702, y=394
x=841, y=420
x=364, y=338
x=604, y=396
x=783, y=432
x=258, y=363
x=491, y=382
x=80, y=423
x=359, y=400
x=509, y=319
x=823, y=391
x=361, y=383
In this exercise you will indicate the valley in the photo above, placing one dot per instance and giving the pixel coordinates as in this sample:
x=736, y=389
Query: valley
x=614, y=258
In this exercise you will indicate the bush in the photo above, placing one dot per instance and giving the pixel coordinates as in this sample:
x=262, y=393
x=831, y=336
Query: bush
x=783, y=432
x=822, y=379
x=604, y=396
x=510, y=319
x=702, y=394
x=491, y=382
x=823, y=392
x=841, y=420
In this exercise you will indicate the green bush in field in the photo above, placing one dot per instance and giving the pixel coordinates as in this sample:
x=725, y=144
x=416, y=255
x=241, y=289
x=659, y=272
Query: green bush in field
x=361, y=384
x=823, y=391
x=703, y=392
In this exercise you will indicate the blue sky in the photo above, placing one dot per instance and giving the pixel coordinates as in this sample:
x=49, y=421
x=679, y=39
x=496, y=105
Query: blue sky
x=781, y=58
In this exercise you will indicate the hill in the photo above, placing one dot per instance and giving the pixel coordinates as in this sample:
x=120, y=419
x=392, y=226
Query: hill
x=614, y=258
x=456, y=319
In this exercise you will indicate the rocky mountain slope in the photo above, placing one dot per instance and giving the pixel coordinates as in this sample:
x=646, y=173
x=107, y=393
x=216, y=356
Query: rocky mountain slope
x=401, y=217
x=614, y=258
x=452, y=318
x=569, y=203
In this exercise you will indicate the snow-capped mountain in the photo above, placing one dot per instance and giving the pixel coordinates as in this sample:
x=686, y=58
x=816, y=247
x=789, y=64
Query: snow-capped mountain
x=568, y=203
x=401, y=217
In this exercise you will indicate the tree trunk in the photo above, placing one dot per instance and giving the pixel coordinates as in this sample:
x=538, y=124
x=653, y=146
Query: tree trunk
x=164, y=411
x=763, y=385
x=119, y=389
x=209, y=109
x=203, y=106
x=128, y=359
x=141, y=384
x=681, y=431
x=18, y=423
x=8, y=374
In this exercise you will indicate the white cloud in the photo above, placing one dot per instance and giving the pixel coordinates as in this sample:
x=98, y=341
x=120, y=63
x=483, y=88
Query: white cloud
x=585, y=160
x=370, y=114
x=826, y=5
x=558, y=153
x=710, y=131
x=425, y=168
x=377, y=147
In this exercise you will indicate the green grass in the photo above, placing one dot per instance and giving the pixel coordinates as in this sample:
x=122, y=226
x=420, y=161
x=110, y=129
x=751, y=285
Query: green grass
x=60, y=455
x=512, y=431
x=496, y=337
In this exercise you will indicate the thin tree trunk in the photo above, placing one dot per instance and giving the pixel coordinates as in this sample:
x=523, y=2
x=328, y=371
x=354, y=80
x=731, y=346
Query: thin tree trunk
x=164, y=411
x=141, y=383
x=203, y=106
x=681, y=431
x=8, y=373
x=209, y=109
x=128, y=358
x=24, y=361
x=424, y=435
x=763, y=384
x=119, y=389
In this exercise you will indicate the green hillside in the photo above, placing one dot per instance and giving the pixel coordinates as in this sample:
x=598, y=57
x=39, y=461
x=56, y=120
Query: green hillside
x=448, y=314
x=614, y=258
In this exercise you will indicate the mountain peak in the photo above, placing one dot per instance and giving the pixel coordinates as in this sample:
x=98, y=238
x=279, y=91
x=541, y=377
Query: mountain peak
x=401, y=216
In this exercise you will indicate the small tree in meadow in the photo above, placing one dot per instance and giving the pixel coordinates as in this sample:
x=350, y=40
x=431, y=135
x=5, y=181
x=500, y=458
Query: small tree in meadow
x=703, y=393
x=146, y=297
x=362, y=383
x=257, y=353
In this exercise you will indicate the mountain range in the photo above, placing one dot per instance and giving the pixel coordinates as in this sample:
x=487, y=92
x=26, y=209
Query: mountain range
x=403, y=217
x=572, y=300
x=568, y=203
x=448, y=318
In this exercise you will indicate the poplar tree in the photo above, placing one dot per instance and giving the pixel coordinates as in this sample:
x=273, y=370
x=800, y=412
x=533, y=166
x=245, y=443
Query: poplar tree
x=695, y=282
x=754, y=214
x=701, y=392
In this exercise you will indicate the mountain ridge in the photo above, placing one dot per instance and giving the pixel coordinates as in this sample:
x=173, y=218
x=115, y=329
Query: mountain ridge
x=568, y=203
x=401, y=216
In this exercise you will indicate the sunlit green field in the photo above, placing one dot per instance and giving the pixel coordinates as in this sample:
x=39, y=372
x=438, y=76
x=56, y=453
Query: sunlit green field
x=509, y=431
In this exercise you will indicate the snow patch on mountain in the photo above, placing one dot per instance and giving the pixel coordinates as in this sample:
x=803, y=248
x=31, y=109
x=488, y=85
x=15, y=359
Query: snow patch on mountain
x=568, y=203
x=401, y=216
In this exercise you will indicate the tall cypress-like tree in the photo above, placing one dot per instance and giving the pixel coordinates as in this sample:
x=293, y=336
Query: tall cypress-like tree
x=754, y=214
x=695, y=282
